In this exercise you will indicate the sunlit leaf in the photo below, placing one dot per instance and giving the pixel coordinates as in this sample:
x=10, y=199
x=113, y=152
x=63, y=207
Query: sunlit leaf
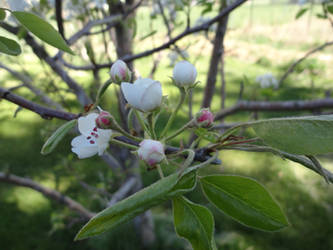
x=245, y=200
x=194, y=222
x=309, y=135
x=9, y=46
x=137, y=203
x=42, y=29
x=301, y=12
x=57, y=136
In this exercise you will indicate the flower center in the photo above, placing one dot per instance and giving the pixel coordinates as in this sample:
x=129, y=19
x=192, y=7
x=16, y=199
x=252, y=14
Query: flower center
x=93, y=137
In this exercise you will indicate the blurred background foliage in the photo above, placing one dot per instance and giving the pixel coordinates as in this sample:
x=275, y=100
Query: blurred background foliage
x=262, y=37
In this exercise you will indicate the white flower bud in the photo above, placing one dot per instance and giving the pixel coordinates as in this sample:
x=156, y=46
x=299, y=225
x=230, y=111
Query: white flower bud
x=144, y=94
x=119, y=72
x=150, y=151
x=184, y=74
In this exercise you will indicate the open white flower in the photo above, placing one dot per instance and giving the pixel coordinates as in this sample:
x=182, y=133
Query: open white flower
x=144, y=94
x=92, y=139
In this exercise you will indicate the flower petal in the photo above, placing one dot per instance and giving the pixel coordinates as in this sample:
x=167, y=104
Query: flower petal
x=85, y=151
x=87, y=123
x=152, y=96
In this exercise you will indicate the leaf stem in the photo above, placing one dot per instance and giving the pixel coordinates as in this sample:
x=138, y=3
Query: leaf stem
x=160, y=171
x=174, y=113
x=179, y=131
x=123, y=144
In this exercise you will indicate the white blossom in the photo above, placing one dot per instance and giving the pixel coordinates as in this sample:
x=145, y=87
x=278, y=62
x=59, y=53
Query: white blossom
x=267, y=81
x=92, y=139
x=144, y=94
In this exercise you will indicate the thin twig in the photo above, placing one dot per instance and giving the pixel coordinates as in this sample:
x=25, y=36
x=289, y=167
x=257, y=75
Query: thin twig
x=49, y=193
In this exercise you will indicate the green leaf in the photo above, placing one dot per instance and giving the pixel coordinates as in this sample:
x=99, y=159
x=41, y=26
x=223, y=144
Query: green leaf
x=9, y=46
x=57, y=136
x=245, y=200
x=301, y=12
x=194, y=222
x=42, y=30
x=2, y=14
x=309, y=135
x=137, y=203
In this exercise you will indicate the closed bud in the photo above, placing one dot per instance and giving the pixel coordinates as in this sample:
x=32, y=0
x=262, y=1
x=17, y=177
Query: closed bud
x=104, y=120
x=184, y=74
x=151, y=152
x=204, y=118
x=119, y=72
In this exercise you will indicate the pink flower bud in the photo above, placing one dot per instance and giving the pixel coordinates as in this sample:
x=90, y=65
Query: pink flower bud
x=119, y=72
x=104, y=120
x=150, y=151
x=184, y=74
x=204, y=118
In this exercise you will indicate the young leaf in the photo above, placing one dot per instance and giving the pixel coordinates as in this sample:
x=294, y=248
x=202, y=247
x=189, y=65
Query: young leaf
x=298, y=135
x=301, y=12
x=57, y=136
x=245, y=200
x=194, y=222
x=42, y=30
x=137, y=203
x=9, y=46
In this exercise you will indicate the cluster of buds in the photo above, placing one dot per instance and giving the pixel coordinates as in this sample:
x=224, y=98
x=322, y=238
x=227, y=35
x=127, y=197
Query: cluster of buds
x=144, y=94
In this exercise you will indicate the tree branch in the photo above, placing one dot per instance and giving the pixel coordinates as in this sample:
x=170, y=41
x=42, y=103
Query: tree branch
x=47, y=192
x=41, y=53
x=275, y=106
x=60, y=21
x=217, y=53
x=44, y=112
x=186, y=32
x=292, y=67
x=27, y=83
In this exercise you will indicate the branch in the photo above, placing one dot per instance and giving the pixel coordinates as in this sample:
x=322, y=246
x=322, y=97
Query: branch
x=41, y=53
x=201, y=155
x=275, y=106
x=123, y=191
x=44, y=112
x=60, y=21
x=295, y=158
x=27, y=83
x=292, y=67
x=217, y=53
x=47, y=192
x=186, y=32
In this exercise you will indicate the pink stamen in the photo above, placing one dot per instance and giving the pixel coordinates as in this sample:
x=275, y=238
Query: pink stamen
x=92, y=142
x=95, y=129
x=89, y=137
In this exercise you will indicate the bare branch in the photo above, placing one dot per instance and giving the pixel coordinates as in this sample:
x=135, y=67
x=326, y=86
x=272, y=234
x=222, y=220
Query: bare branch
x=217, y=53
x=123, y=191
x=264, y=106
x=47, y=192
x=186, y=32
x=27, y=83
x=44, y=112
x=43, y=55
x=292, y=67
x=60, y=21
